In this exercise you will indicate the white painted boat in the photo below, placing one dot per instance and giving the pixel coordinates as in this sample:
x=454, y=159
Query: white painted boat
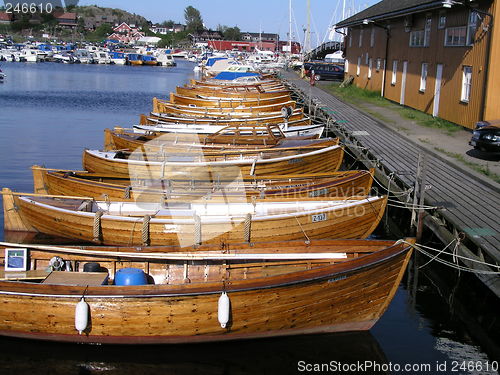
x=313, y=130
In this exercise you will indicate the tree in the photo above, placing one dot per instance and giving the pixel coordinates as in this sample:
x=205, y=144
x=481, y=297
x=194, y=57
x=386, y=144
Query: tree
x=168, y=24
x=232, y=33
x=194, y=22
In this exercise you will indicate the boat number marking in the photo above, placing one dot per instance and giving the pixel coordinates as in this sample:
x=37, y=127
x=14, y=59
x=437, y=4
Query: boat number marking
x=296, y=161
x=319, y=217
x=337, y=279
x=318, y=193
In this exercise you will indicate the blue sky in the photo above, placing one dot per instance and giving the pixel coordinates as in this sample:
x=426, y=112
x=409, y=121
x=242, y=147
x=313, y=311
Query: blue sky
x=267, y=15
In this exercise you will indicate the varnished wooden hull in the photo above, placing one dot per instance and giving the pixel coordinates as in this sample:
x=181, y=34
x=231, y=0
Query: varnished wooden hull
x=318, y=161
x=345, y=296
x=227, y=102
x=347, y=184
x=274, y=119
x=119, y=139
x=160, y=106
x=328, y=218
x=228, y=93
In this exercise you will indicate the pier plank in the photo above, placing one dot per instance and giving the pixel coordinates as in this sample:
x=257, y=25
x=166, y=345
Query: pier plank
x=471, y=205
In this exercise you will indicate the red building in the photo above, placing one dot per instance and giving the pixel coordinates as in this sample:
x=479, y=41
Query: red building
x=235, y=45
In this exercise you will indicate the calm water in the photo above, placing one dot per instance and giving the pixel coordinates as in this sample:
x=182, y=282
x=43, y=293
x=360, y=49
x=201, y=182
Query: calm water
x=50, y=112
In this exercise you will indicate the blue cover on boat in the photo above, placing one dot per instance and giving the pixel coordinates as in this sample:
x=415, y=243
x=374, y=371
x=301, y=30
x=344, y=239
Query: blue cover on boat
x=233, y=75
x=211, y=61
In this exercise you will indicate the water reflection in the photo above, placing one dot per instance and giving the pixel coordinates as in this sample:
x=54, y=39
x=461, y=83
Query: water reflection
x=268, y=356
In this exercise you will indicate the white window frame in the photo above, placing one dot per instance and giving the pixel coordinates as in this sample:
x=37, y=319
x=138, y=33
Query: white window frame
x=472, y=23
x=360, y=42
x=370, y=63
x=417, y=38
x=423, y=77
x=427, y=31
x=442, y=19
x=358, y=68
x=346, y=66
x=466, y=83
x=458, y=36
x=394, y=72
x=378, y=65
x=372, y=37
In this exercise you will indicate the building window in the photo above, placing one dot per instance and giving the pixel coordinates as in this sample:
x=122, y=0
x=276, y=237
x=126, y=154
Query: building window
x=427, y=31
x=346, y=66
x=372, y=37
x=379, y=64
x=455, y=36
x=360, y=43
x=366, y=59
x=442, y=20
x=417, y=38
x=472, y=27
x=423, y=77
x=370, y=68
x=466, y=83
x=359, y=66
x=350, y=38
x=394, y=71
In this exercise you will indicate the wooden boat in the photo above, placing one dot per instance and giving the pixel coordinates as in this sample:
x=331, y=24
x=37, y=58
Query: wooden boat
x=262, y=83
x=273, y=289
x=272, y=118
x=227, y=102
x=199, y=92
x=138, y=165
x=190, y=223
x=162, y=106
x=228, y=138
x=87, y=184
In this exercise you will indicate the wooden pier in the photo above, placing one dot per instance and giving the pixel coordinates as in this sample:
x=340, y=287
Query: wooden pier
x=468, y=207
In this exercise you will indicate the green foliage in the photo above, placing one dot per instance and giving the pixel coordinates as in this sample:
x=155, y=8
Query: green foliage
x=194, y=22
x=168, y=24
x=231, y=33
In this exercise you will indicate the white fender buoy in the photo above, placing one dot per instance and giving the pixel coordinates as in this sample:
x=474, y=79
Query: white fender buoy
x=224, y=306
x=81, y=316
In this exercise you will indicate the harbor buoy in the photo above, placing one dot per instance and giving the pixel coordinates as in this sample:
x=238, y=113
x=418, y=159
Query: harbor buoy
x=81, y=316
x=224, y=307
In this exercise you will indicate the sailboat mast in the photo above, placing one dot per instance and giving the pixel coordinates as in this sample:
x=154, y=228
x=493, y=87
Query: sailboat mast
x=290, y=27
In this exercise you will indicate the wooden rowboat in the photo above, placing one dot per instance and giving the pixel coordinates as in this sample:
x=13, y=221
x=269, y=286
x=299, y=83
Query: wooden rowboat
x=227, y=102
x=274, y=118
x=190, y=223
x=164, y=142
x=198, y=91
x=86, y=184
x=324, y=160
x=162, y=106
x=243, y=292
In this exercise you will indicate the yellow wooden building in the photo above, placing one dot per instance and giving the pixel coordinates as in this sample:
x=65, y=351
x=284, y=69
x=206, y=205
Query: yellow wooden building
x=440, y=57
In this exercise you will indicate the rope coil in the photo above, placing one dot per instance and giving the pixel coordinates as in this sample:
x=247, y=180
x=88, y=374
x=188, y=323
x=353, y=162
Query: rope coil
x=126, y=193
x=247, y=228
x=97, y=230
x=145, y=230
x=197, y=230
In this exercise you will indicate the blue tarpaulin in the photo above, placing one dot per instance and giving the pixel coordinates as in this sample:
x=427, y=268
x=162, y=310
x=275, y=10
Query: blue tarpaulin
x=233, y=75
x=211, y=61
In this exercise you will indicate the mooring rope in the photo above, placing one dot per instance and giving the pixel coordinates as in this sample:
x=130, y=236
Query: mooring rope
x=97, y=226
x=423, y=249
x=197, y=230
x=145, y=230
x=247, y=228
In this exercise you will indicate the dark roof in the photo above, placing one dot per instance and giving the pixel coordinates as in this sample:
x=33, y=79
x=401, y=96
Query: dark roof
x=389, y=9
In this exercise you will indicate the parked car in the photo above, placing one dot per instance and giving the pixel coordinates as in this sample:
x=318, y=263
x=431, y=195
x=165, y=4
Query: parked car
x=486, y=136
x=324, y=71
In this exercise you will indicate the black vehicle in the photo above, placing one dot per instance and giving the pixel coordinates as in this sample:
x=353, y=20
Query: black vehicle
x=486, y=136
x=324, y=70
